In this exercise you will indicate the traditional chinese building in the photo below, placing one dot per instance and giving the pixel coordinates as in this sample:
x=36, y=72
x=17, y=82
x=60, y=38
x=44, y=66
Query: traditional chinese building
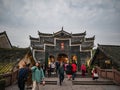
x=4, y=40
x=107, y=56
x=63, y=46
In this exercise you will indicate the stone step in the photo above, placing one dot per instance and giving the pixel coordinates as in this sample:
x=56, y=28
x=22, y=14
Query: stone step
x=93, y=83
x=50, y=82
x=46, y=83
x=77, y=76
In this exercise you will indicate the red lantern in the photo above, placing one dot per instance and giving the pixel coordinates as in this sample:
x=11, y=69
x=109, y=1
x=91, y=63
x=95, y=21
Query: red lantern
x=62, y=46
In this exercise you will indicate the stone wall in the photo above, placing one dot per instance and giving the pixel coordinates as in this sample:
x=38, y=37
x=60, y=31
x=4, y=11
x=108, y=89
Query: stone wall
x=10, y=78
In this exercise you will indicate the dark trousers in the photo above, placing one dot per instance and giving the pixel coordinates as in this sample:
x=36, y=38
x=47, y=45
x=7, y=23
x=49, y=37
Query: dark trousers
x=61, y=78
x=49, y=73
x=56, y=71
x=83, y=72
x=73, y=75
x=21, y=84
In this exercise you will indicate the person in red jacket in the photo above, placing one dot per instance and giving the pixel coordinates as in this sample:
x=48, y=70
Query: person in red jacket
x=74, y=69
x=83, y=69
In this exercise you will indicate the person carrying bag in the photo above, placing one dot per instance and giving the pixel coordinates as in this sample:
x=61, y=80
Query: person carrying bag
x=94, y=74
x=37, y=76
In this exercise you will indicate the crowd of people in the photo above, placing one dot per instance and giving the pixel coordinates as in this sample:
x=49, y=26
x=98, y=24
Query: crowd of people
x=25, y=72
x=39, y=71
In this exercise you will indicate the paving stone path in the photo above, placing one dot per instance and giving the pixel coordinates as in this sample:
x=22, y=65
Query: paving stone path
x=67, y=85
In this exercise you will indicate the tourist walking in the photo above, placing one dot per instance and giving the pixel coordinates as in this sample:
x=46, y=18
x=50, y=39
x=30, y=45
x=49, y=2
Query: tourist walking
x=44, y=68
x=74, y=69
x=69, y=71
x=52, y=67
x=61, y=73
x=49, y=70
x=83, y=69
x=65, y=66
x=37, y=76
x=94, y=74
x=57, y=64
x=22, y=76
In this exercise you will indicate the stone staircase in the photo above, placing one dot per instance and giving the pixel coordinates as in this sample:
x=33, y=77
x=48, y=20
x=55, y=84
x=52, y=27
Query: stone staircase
x=80, y=80
x=93, y=83
x=50, y=82
x=78, y=75
x=46, y=83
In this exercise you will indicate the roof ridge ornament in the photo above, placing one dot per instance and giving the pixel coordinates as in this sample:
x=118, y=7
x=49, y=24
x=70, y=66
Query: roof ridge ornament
x=62, y=28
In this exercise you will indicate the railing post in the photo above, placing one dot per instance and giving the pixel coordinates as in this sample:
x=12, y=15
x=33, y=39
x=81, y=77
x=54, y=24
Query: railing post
x=99, y=70
x=105, y=73
x=113, y=71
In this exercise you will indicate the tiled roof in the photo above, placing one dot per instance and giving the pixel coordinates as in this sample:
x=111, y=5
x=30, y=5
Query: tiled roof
x=2, y=33
x=44, y=34
x=32, y=38
x=110, y=51
x=62, y=34
x=90, y=38
x=79, y=34
x=87, y=45
x=4, y=40
x=12, y=54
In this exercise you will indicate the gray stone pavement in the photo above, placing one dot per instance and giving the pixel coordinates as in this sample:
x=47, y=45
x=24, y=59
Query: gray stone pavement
x=67, y=85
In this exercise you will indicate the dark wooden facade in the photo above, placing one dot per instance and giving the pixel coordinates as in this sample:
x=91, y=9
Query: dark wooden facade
x=62, y=43
x=107, y=56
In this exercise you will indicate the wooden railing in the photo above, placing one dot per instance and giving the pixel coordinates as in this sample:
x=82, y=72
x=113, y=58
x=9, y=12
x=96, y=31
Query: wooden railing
x=10, y=78
x=112, y=74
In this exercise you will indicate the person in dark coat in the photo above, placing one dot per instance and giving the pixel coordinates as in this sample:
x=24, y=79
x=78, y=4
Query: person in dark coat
x=61, y=73
x=69, y=71
x=57, y=64
x=49, y=71
x=22, y=76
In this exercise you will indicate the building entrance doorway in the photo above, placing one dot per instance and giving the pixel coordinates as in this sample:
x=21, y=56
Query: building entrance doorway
x=62, y=58
x=74, y=59
x=51, y=59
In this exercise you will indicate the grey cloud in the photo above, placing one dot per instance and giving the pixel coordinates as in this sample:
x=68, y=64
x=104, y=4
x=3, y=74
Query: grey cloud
x=48, y=15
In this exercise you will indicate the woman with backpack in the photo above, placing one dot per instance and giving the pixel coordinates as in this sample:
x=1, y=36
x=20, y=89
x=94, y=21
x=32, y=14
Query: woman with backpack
x=69, y=71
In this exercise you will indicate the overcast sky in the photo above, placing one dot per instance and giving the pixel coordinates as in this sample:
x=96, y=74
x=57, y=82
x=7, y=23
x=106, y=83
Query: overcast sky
x=21, y=18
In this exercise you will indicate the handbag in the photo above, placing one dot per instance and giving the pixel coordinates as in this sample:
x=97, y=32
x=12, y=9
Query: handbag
x=95, y=75
x=43, y=83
